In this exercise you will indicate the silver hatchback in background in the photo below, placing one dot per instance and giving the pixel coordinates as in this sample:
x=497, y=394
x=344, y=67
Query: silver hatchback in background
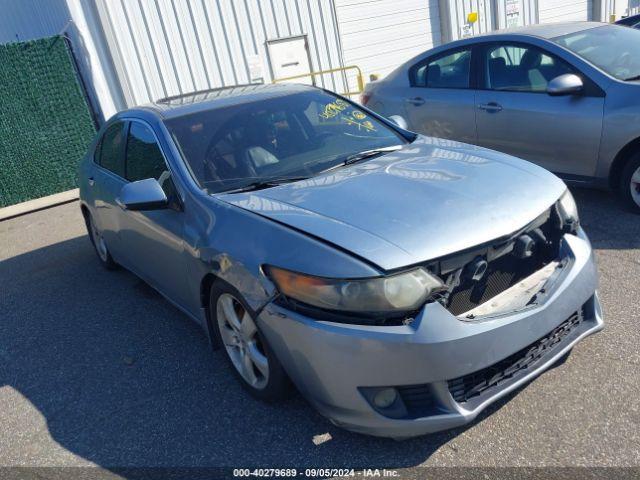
x=564, y=96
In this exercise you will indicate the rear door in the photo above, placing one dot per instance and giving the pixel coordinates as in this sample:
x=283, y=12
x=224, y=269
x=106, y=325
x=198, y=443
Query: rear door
x=105, y=182
x=515, y=114
x=441, y=98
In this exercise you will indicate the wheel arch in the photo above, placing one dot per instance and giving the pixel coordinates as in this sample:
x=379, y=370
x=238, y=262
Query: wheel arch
x=205, y=290
x=617, y=166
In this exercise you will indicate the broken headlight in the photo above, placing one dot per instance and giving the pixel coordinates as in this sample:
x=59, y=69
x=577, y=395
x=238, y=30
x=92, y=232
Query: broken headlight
x=401, y=292
x=568, y=211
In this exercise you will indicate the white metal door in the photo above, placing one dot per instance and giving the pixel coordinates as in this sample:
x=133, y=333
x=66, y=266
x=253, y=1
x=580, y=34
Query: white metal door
x=289, y=57
x=564, y=10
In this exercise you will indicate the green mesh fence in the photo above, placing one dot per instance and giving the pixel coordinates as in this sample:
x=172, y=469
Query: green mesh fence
x=45, y=123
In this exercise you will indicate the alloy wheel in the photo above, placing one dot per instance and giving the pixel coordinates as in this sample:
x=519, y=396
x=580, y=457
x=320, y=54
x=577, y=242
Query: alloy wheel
x=241, y=341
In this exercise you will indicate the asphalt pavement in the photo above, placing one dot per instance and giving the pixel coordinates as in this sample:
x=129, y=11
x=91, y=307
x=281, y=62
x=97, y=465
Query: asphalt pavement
x=97, y=369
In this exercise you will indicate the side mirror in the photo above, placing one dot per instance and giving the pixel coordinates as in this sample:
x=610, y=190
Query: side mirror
x=142, y=195
x=399, y=121
x=567, y=84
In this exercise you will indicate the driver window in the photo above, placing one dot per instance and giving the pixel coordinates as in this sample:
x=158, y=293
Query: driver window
x=144, y=158
x=522, y=69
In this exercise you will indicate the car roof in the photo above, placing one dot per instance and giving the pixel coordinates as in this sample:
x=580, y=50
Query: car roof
x=548, y=30
x=193, y=102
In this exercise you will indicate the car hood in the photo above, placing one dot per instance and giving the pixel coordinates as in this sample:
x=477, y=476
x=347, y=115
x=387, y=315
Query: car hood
x=431, y=198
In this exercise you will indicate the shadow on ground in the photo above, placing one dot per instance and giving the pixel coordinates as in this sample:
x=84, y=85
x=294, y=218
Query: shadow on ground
x=122, y=378
x=609, y=224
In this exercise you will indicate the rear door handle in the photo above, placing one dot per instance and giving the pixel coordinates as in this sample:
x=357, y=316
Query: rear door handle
x=91, y=181
x=417, y=101
x=490, y=107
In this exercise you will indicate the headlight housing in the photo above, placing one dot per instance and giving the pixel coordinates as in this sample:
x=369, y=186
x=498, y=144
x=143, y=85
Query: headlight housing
x=402, y=292
x=568, y=211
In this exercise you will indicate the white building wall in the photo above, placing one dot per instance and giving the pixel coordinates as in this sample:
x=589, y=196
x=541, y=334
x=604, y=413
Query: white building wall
x=455, y=14
x=516, y=13
x=170, y=47
x=379, y=35
x=619, y=9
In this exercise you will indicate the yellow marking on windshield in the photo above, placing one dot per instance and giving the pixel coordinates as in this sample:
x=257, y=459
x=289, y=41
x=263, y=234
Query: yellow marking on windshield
x=365, y=125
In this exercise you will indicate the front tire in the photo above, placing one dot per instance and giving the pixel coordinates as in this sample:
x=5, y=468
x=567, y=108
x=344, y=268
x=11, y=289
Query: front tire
x=245, y=348
x=630, y=183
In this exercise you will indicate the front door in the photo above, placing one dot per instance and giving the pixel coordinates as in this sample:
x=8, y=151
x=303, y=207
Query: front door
x=515, y=115
x=440, y=101
x=153, y=239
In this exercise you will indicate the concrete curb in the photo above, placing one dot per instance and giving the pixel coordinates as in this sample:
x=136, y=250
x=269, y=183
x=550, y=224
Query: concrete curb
x=38, y=204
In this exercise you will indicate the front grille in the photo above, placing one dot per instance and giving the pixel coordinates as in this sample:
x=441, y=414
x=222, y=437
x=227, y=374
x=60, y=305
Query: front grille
x=464, y=388
x=503, y=271
x=501, y=275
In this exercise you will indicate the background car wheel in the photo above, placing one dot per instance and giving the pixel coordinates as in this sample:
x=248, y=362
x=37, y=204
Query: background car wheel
x=630, y=183
x=99, y=244
x=250, y=356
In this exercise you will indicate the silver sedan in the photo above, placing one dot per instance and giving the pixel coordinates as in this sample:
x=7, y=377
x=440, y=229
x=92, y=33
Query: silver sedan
x=402, y=283
x=564, y=96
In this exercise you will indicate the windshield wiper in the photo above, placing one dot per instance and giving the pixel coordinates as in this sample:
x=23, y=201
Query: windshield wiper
x=267, y=183
x=358, y=157
x=631, y=79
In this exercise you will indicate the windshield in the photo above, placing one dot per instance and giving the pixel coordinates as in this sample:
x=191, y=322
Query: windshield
x=291, y=136
x=611, y=48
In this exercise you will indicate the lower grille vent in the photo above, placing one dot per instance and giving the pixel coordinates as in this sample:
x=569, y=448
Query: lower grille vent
x=464, y=388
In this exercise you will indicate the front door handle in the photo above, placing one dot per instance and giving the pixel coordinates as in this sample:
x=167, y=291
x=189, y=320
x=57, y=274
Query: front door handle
x=91, y=181
x=490, y=107
x=417, y=101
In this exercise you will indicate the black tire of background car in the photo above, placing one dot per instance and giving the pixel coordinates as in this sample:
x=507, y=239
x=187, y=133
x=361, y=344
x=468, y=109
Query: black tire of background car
x=109, y=263
x=625, y=180
x=278, y=386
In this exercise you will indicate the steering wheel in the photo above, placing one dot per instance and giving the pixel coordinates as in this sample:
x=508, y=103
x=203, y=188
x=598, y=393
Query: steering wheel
x=217, y=168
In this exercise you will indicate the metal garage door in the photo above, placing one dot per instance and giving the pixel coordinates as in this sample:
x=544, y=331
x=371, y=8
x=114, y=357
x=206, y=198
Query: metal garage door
x=379, y=35
x=564, y=10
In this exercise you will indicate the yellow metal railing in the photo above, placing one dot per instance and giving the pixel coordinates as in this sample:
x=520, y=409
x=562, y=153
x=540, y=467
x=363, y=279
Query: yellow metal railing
x=359, y=78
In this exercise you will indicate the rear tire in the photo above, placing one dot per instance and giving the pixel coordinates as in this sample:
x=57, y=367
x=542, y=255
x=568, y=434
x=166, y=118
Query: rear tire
x=99, y=244
x=252, y=360
x=629, y=187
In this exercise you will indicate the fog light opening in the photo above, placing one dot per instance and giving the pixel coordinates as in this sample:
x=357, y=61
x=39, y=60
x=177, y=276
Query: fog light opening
x=385, y=397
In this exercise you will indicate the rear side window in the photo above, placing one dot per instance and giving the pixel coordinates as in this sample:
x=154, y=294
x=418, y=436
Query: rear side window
x=448, y=71
x=109, y=150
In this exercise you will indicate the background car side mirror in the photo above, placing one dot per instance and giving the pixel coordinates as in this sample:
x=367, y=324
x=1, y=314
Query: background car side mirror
x=399, y=121
x=567, y=84
x=142, y=195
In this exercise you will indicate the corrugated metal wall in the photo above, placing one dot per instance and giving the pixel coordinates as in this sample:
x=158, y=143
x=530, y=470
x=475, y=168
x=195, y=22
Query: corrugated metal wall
x=511, y=13
x=170, y=47
x=455, y=13
x=379, y=35
x=564, y=10
x=30, y=19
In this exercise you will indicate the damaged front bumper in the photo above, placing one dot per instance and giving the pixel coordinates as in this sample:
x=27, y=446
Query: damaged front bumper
x=444, y=369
